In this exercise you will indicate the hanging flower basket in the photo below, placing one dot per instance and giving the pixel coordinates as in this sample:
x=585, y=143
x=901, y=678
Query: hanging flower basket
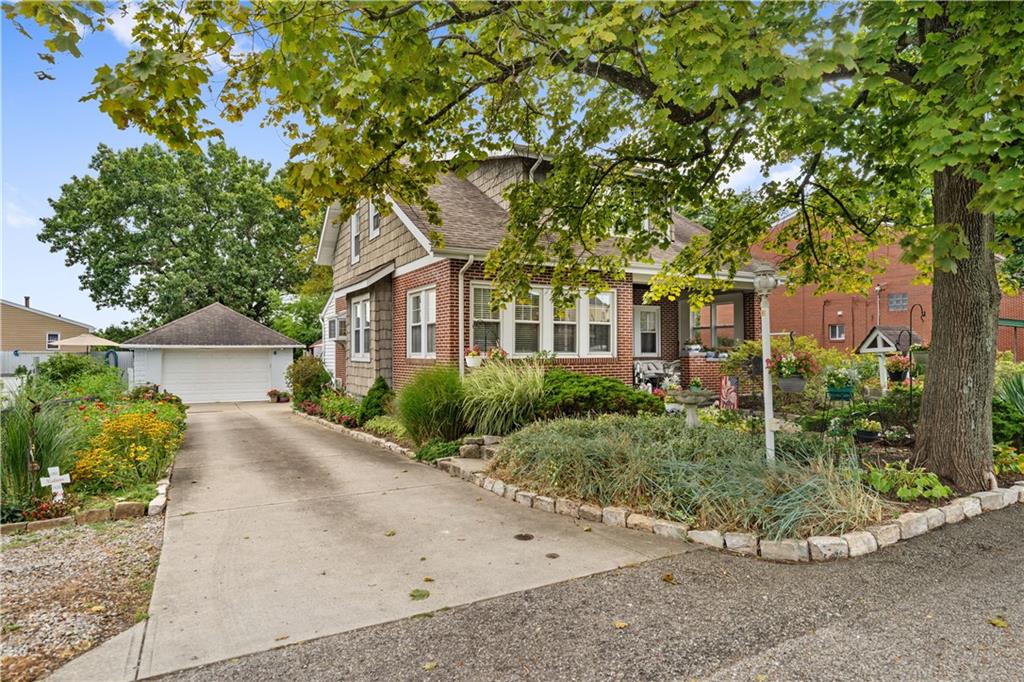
x=897, y=376
x=793, y=384
x=473, y=361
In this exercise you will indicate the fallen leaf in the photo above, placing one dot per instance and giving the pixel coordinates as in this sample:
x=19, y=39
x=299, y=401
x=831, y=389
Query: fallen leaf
x=999, y=622
x=418, y=594
x=97, y=608
x=669, y=578
x=620, y=624
x=389, y=534
x=423, y=558
x=430, y=665
x=281, y=638
x=587, y=529
x=427, y=579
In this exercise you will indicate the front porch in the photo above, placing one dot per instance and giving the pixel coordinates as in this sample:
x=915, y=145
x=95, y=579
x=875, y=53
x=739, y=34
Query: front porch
x=697, y=342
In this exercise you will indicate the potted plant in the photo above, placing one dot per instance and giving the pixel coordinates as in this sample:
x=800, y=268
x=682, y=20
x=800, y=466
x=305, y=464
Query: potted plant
x=273, y=395
x=473, y=357
x=696, y=384
x=897, y=367
x=866, y=430
x=840, y=383
x=791, y=369
x=497, y=353
x=693, y=347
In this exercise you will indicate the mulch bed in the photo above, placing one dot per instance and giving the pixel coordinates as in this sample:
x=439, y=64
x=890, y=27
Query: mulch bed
x=67, y=590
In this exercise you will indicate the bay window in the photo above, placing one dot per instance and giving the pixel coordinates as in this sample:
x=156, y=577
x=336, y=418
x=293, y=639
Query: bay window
x=421, y=333
x=360, y=316
x=533, y=325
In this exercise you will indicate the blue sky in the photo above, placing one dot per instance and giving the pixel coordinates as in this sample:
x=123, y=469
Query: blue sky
x=48, y=136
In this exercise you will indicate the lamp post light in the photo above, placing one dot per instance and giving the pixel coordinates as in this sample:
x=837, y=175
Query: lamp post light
x=765, y=281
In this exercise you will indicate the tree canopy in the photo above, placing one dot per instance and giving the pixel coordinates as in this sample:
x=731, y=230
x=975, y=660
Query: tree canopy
x=163, y=233
x=903, y=120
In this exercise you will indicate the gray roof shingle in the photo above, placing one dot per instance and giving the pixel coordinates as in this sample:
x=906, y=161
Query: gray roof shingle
x=214, y=325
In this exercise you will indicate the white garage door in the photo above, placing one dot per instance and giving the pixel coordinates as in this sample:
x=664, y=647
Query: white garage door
x=214, y=376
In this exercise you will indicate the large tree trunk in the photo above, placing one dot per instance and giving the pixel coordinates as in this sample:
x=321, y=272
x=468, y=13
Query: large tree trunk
x=955, y=430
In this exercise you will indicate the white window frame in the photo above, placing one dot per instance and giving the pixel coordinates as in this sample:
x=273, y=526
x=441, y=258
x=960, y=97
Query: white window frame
x=355, y=245
x=539, y=323
x=428, y=316
x=506, y=324
x=55, y=345
x=656, y=309
x=567, y=323
x=375, y=224
x=362, y=322
x=331, y=328
x=498, y=317
x=686, y=322
x=840, y=328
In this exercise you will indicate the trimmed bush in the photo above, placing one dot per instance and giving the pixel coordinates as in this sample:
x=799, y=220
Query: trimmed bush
x=376, y=402
x=571, y=394
x=431, y=405
x=503, y=396
x=714, y=477
x=437, y=449
x=307, y=378
x=387, y=427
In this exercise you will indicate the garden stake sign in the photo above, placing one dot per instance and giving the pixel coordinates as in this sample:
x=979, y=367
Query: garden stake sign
x=55, y=481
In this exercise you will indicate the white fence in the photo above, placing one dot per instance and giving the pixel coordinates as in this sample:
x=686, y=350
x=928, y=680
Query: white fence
x=10, y=361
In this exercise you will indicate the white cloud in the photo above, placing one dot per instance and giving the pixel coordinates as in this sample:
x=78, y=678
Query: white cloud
x=15, y=213
x=124, y=24
x=751, y=177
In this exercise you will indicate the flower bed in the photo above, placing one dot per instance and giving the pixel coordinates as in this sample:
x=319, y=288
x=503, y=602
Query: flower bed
x=77, y=416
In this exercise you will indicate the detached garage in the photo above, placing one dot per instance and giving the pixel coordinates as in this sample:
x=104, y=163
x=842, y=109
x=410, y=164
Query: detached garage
x=213, y=355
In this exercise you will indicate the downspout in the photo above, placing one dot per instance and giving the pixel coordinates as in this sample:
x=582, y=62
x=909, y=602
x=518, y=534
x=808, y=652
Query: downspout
x=462, y=316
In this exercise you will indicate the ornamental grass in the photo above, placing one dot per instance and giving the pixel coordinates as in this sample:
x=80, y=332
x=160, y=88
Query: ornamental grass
x=708, y=476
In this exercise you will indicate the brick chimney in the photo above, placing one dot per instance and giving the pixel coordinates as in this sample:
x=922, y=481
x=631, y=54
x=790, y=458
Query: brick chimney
x=27, y=301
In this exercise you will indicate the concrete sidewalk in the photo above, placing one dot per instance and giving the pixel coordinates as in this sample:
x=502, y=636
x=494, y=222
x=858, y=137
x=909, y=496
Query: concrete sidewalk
x=281, y=531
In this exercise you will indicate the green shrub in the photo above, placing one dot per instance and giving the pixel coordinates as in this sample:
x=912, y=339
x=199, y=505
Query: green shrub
x=1007, y=424
x=307, y=378
x=715, y=477
x=105, y=385
x=503, y=396
x=338, y=407
x=376, y=402
x=431, y=405
x=907, y=484
x=570, y=394
x=387, y=427
x=437, y=448
x=64, y=367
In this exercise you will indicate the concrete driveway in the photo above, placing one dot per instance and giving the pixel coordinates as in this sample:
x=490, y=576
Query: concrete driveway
x=279, y=531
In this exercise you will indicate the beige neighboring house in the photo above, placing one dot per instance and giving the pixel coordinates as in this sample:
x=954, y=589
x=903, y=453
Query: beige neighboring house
x=28, y=330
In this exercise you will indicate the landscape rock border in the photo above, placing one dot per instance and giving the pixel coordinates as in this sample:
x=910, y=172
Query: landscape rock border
x=790, y=550
x=115, y=512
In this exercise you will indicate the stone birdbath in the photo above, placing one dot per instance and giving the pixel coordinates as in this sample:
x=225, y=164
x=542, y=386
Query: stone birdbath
x=692, y=399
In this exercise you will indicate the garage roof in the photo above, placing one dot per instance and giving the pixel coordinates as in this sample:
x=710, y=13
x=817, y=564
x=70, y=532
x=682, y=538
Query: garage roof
x=215, y=326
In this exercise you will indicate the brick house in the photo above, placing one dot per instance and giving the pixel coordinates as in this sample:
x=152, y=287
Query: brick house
x=839, y=320
x=398, y=295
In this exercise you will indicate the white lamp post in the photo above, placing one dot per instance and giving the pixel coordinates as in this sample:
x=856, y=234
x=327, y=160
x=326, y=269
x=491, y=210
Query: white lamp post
x=765, y=282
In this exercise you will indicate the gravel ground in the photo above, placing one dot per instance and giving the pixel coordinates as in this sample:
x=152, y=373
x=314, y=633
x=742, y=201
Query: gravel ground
x=928, y=609
x=68, y=589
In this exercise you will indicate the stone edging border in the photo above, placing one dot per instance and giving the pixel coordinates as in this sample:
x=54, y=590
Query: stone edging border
x=816, y=548
x=359, y=435
x=120, y=510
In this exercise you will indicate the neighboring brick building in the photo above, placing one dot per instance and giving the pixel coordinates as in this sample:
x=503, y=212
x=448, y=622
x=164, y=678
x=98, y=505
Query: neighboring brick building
x=843, y=320
x=395, y=306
